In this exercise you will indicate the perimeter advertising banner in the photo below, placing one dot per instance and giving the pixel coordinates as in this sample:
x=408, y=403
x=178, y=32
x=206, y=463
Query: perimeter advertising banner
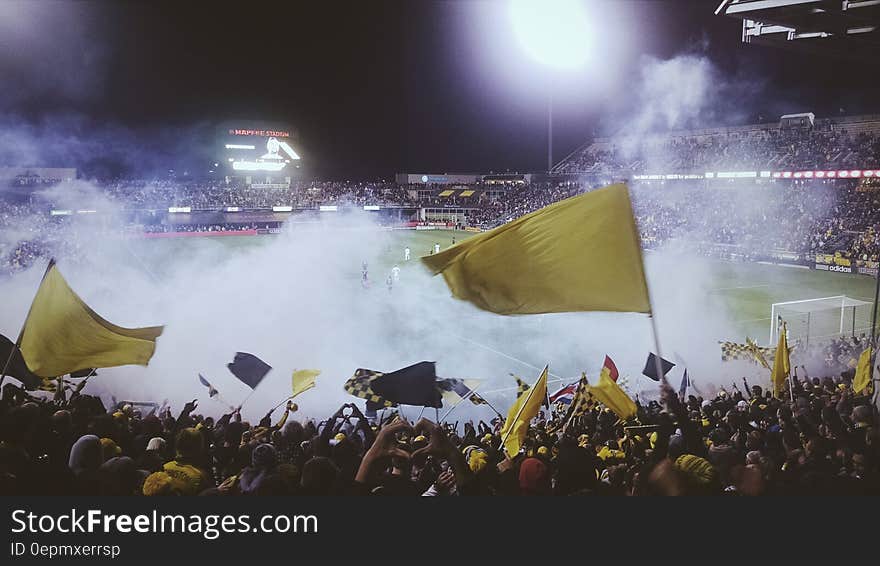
x=835, y=268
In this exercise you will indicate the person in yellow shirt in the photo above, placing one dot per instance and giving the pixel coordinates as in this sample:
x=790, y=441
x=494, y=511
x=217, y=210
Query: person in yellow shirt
x=184, y=470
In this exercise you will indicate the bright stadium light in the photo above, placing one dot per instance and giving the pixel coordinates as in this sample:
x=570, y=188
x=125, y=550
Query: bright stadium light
x=553, y=32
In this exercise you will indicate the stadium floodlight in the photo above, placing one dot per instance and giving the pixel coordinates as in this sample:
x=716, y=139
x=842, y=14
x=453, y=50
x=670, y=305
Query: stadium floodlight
x=555, y=33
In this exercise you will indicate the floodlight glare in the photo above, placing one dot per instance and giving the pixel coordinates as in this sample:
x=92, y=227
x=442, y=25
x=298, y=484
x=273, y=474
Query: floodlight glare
x=554, y=32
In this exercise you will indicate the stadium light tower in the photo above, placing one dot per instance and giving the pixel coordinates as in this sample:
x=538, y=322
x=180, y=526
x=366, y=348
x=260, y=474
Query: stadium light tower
x=555, y=33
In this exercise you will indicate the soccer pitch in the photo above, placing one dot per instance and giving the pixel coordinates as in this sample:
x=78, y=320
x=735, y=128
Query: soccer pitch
x=744, y=291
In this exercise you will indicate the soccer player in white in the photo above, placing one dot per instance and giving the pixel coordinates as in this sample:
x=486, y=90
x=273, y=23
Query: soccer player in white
x=406, y=253
x=395, y=273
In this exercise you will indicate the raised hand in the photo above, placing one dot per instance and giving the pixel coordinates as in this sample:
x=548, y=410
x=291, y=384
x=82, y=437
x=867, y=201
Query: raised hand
x=384, y=446
x=438, y=445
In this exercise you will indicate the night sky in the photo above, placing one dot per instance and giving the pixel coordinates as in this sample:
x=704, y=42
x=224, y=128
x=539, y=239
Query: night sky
x=373, y=88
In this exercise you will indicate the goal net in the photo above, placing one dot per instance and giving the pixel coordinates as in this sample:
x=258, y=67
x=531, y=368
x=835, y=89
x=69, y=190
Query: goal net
x=820, y=319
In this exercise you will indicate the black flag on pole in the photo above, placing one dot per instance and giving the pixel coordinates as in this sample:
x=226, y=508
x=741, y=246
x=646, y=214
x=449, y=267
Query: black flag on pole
x=249, y=369
x=650, y=370
x=17, y=368
x=413, y=385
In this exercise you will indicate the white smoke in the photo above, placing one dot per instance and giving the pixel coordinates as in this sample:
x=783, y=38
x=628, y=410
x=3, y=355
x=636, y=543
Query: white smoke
x=296, y=301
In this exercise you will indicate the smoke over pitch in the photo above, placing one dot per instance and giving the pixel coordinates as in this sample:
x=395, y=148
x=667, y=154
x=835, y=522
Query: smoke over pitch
x=296, y=301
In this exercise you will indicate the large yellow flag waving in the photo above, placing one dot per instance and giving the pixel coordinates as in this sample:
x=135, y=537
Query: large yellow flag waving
x=521, y=414
x=863, y=371
x=612, y=396
x=579, y=254
x=62, y=334
x=781, y=364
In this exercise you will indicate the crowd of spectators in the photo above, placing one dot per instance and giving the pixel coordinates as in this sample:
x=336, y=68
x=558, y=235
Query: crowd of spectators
x=218, y=195
x=758, y=148
x=749, y=219
x=752, y=219
x=818, y=437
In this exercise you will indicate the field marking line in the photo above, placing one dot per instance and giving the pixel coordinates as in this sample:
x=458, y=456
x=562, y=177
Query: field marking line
x=509, y=357
x=143, y=265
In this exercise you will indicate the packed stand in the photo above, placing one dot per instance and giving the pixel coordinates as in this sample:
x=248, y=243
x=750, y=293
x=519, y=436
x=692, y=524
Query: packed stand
x=819, y=438
x=754, y=149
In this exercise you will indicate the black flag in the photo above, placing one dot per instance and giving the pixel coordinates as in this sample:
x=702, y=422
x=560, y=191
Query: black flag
x=88, y=372
x=650, y=370
x=413, y=385
x=249, y=369
x=17, y=368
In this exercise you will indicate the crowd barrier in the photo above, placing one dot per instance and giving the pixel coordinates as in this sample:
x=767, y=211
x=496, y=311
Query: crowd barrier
x=208, y=234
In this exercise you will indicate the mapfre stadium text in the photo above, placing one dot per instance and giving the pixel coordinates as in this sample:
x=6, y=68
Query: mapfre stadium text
x=209, y=526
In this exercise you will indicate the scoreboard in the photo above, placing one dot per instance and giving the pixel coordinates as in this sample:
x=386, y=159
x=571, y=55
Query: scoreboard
x=254, y=148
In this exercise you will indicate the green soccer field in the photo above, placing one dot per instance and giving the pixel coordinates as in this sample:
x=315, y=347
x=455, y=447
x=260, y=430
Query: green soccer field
x=744, y=291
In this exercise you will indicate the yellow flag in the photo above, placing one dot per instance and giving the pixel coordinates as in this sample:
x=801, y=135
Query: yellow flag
x=579, y=254
x=757, y=352
x=781, y=363
x=863, y=371
x=303, y=380
x=520, y=415
x=62, y=334
x=612, y=396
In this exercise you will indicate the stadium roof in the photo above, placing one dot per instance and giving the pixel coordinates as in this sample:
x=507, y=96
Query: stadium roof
x=848, y=28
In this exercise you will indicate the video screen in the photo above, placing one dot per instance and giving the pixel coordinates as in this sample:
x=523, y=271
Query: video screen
x=248, y=149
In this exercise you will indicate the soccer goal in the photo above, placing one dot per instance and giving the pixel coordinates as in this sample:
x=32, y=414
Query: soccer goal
x=818, y=319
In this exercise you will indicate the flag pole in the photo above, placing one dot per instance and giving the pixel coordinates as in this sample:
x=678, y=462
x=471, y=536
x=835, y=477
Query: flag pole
x=240, y=405
x=457, y=403
x=521, y=409
x=223, y=402
x=470, y=394
x=873, y=344
x=493, y=408
x=17, y=345
x=282, y=402
x=658, y=367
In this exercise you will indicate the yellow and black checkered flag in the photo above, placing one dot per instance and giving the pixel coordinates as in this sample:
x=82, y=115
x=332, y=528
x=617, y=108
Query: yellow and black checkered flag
x=49, y=386
x=521, y=386
x=582, y=400
x=477, y=400
x=359, y=385
x=748, y=352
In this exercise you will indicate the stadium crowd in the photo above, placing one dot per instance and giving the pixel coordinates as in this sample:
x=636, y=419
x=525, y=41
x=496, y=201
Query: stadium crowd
x=818, y=438
x=737, y=219
x=822, y=147
x=217, y=195
x=749, y=220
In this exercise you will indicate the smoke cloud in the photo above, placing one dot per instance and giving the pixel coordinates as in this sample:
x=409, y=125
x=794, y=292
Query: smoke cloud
x=296, y=301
